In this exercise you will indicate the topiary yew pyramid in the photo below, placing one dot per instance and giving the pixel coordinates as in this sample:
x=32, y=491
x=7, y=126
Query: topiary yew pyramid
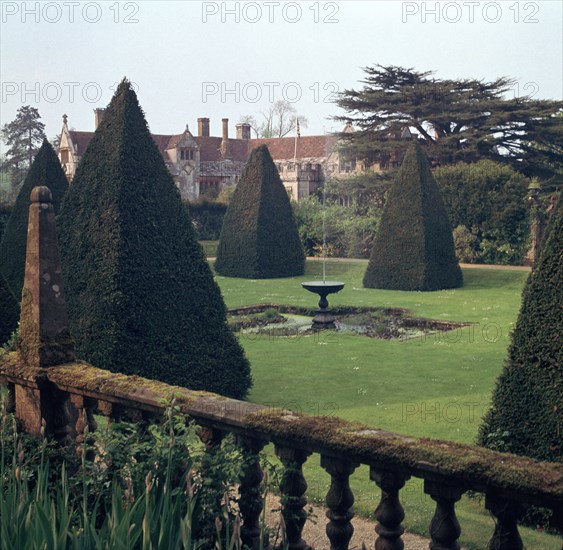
x=259, y=237
x=525, y=416
x=45, y=170
x=413, y=247
x=8, y=312
x=141, y=296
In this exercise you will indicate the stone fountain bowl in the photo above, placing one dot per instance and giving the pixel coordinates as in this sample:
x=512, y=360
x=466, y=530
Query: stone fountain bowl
x=323, y=288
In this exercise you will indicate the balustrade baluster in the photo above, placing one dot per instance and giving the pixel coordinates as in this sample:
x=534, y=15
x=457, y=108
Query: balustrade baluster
x=293, y=487
x=389, y=513
x=85, y=409
x=339, y=501
x=63, y=418
x=10, y=402
x=444, y=527
x=251, y=490
x=110, y=410
x=507, y=513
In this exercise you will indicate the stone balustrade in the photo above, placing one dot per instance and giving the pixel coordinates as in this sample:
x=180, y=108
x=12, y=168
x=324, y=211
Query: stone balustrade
x=62, y=398
x=65, y=397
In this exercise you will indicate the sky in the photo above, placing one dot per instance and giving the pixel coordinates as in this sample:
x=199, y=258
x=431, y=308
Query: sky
x=229, y=59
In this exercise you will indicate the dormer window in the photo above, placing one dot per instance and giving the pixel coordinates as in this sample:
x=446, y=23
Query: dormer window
x=64, y=156
x=186, y=154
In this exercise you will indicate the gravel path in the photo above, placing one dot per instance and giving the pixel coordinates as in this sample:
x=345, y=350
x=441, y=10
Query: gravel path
x=314, y=533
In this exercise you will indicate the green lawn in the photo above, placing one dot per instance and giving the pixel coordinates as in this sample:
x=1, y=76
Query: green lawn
x=435, y=386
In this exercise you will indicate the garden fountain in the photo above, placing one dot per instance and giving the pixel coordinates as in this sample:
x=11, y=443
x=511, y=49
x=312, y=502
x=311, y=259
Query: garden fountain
x=323, y=318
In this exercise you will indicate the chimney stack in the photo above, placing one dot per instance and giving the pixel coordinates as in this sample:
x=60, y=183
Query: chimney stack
x=203, y=127
x=98, y=117
x=225, y=142
x=243, y=130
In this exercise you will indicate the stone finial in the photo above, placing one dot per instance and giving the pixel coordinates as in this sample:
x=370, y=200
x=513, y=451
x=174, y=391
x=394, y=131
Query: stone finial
x=65, y=118
x=44, y=329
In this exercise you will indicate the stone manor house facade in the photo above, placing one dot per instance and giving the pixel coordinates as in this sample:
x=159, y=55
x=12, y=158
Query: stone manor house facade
x=203, y=165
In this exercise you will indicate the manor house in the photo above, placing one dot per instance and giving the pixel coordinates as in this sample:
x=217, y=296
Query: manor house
x=203, y=165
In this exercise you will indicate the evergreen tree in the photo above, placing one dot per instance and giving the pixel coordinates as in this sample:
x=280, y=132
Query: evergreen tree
x=22, y=136
x=45, y=170
x=525, y=416
x=457, y=120
x=414, y=248
x=259, y=237
x=8, y=312
x=141, y=296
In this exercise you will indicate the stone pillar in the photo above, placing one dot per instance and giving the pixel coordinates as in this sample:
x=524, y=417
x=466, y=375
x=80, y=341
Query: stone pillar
x=44, y=339
x=44, y=329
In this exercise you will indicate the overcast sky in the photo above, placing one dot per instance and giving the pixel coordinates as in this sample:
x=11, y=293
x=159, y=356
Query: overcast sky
x=228, y=59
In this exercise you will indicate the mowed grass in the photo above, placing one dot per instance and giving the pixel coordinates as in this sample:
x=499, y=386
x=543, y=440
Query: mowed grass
x=436, y=386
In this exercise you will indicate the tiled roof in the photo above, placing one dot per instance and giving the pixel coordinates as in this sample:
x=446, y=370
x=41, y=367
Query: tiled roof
x=80, y=140
x=239, y=149
x=307, y=146
x=161, y=142
x=173, y=141
x=210, y=149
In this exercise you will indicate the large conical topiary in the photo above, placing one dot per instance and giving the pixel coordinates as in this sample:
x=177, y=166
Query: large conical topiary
x=414, y=248
x=259, y=238
x=141, y=296
x=45, y=170
x=526, y=413
x=8, y=312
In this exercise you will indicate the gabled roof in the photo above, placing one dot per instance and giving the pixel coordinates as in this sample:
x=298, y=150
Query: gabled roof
x=80, y=140
x=310, y=147
x=307, y=146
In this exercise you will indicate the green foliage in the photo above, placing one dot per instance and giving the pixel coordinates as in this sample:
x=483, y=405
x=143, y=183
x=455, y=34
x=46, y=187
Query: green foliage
x=466, y=244
x=526, y=403
x=259, y=238
x=413, y=248
x=143, y=487
x=207, y=218
x=349, y=233
x=9, y=311
x=22, y=136
x=45, y=170
x=457, y=120
x=5, y=213
x=141, y=296
x=489, y=199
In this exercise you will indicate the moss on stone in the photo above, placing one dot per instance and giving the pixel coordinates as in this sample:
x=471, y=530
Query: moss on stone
x=469, y=465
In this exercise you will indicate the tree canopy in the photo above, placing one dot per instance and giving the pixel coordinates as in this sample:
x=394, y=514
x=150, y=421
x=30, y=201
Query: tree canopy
x=457, y=120
x=141, y=296
x=278, y=121
x=23, y=136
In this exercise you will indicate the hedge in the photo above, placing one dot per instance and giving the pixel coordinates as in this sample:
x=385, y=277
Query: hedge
x=141, y=296
x=413, y=247
x=45, y=170
x=259, y=237
x=525, y=416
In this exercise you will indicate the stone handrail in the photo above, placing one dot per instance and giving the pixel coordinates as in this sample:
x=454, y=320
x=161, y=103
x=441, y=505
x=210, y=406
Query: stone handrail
x=49, y=389
x=72, y=392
